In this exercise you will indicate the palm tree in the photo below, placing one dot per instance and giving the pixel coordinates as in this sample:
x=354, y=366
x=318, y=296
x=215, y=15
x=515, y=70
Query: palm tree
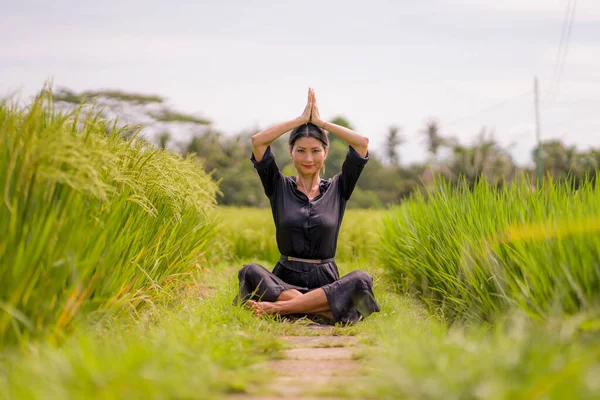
x=484, y=159
x=433, y=137
x=393, y=140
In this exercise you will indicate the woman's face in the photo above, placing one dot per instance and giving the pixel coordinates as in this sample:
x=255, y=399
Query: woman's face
x=308, y=155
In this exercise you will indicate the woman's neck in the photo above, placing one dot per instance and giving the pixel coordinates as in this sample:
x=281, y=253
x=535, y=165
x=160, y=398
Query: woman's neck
x=308, y=182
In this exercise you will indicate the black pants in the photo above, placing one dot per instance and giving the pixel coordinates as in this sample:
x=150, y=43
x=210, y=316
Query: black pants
x=350, y=297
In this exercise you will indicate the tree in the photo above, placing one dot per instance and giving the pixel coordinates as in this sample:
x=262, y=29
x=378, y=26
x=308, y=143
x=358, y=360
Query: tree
x=337, y=150
x=484, y=159
x=557, y=159
x=433, y=137
x=133, y=110
x=393, y=141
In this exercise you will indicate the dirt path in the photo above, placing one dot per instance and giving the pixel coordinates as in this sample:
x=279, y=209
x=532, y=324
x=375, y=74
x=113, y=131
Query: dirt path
x=317, y=365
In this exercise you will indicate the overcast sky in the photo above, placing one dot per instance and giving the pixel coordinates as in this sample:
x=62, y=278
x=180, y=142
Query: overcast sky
x=248, y=63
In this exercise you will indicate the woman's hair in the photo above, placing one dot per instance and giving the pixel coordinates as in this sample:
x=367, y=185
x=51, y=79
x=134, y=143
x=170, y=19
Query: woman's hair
x=309, y=130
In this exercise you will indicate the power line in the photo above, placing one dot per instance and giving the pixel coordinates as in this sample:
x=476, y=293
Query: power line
x=563, y=34
x=562, y=65
x=563, y=47
x=489, y=108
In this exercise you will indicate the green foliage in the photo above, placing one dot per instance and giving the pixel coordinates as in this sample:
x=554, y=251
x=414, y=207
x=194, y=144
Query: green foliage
x=90, y=221
x=225, y=154
x=200, y=348
x=335, y=158
x=69, y=96
x=418, y=357
x=98, y=228
x=168, y=115
x=364, y=199
x=476, y=253
x=392, y=141
x=432, y=134
x=337, y=150
x=483, y=160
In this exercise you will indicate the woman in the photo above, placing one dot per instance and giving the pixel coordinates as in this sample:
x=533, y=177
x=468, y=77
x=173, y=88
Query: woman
x=308, y=212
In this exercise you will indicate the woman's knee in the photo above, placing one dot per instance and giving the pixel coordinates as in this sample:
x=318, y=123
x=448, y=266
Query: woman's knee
x=250, y=270
x=363, y=278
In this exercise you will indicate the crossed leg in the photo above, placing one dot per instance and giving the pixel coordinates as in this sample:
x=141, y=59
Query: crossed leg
x=293, y=302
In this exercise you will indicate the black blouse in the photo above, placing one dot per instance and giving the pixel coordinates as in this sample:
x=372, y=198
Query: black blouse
x=308, y=229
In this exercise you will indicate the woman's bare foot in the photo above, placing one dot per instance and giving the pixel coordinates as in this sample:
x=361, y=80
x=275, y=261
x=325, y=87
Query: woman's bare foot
x=263, y=307
x=268, y=308
x=313, y=302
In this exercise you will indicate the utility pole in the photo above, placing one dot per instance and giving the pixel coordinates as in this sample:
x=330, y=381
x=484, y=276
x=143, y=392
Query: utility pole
x=538, y=153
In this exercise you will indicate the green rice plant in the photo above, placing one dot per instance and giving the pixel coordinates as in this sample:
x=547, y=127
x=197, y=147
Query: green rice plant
x=249, y=234
x=419, y=357
x=196, y=348
x=90, y=221
x=476, y=253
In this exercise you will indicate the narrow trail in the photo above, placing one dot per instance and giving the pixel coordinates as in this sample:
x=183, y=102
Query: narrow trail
x=317, y=364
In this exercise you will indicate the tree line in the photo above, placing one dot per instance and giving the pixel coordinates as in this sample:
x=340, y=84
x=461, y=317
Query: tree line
x=385, y=181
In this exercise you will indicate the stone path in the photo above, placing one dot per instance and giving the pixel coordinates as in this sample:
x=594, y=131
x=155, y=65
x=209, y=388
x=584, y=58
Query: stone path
x=314, y=367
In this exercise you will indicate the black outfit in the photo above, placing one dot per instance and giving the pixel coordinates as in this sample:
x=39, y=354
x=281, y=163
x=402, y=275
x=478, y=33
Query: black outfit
x=309, y=230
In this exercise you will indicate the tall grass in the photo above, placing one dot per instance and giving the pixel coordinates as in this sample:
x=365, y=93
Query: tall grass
x=196, y=348
x=89, y=220
x=474, y=254
x=419, y=357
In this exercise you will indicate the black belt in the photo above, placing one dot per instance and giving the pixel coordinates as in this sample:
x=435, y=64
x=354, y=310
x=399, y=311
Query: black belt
x=324, y=260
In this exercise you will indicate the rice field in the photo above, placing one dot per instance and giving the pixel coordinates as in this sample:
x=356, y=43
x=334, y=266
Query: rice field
x=118, y=272
x=474, y=255
x=90, y=221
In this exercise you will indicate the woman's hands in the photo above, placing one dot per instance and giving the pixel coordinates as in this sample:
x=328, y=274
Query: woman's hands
x=315, y=116
x=306, y=115
x=311, y=111
x=357, y=141
x=262, y=140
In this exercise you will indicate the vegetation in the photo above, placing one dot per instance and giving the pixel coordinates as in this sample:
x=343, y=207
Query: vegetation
x=475, y=254
x=386, y=181
x=167, y=115
x=118, y=272
x=90, y=221
x=193, y=344
x=69, y=96
x=418, y=357
x=196, y=348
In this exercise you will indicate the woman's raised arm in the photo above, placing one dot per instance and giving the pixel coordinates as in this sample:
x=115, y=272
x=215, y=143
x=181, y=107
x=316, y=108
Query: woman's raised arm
x=262, y=140
x=359, y=142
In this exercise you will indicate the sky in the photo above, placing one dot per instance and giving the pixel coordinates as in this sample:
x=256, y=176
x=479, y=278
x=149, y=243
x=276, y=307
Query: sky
x=247, y=64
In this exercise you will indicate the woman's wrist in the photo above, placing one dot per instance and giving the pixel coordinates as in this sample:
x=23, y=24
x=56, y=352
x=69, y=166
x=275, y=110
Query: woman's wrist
x=320, y=123
x=301, y=120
